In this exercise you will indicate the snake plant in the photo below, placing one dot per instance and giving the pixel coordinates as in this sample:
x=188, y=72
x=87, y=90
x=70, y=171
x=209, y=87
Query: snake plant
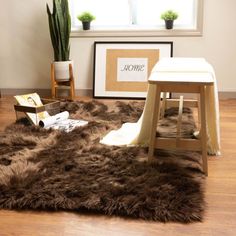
x=60, y=27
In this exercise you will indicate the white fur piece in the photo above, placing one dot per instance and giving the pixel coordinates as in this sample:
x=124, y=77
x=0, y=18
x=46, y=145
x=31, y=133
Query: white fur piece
x=176, y=69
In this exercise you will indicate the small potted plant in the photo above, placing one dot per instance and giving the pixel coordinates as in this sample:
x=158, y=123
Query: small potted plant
x=86, y=17
x=169, y=16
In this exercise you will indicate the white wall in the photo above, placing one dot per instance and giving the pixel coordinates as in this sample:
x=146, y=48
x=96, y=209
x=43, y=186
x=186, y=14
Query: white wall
x=25, y=49
x=26, y=52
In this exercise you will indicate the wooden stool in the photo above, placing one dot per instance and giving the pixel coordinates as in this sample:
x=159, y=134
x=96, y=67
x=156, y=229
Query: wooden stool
x=175, y=85
x=67, y=83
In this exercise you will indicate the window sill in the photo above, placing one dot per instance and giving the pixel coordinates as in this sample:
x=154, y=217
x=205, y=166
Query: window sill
x=151, y=32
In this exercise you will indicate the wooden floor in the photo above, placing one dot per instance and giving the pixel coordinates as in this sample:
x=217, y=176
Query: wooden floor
x=220, y=218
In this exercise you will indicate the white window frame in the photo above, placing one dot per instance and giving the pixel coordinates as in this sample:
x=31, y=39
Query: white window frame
x=138, y=31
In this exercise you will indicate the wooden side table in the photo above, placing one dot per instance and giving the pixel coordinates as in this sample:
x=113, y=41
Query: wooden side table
x=67, y=83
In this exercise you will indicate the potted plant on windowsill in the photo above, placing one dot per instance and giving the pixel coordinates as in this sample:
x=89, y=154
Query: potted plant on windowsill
x=86, y=18
x=60, y=28
x=169, y=16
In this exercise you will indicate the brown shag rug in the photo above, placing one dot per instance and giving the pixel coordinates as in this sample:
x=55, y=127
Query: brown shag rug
x=52, y=170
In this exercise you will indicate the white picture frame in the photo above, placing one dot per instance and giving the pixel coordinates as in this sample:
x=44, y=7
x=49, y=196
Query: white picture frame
x=121, y=69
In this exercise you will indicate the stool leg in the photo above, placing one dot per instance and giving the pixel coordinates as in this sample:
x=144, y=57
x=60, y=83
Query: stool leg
x=199, y=112
x=163, y=106
x=53, y=92
x=72, y=84
x=155, y=118
x=72, y=89
x=53, y=89
x=179, y=121
x=203, y=129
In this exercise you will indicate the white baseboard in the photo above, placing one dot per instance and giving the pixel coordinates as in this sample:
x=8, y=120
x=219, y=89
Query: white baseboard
x=227, y=95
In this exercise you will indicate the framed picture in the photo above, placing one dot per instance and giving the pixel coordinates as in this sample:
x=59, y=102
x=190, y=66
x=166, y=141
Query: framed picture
x=122, y=69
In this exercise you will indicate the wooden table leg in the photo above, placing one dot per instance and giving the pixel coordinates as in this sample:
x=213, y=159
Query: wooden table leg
x=163, y=106
x=203, y=133
x=155, y=117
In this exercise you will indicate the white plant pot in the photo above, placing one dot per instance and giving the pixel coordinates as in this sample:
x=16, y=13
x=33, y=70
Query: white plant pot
x=62, y=70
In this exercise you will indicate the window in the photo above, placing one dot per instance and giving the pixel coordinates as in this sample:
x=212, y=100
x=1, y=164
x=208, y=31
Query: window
x=135, y=15
x=108, y=12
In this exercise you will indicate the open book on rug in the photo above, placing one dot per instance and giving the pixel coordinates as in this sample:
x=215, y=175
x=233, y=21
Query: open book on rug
x=59, y=121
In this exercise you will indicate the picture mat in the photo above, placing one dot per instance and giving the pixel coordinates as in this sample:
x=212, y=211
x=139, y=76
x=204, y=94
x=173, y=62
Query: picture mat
x=112, y=55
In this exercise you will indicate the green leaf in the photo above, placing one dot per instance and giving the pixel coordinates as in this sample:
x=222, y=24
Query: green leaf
x=60, y=27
